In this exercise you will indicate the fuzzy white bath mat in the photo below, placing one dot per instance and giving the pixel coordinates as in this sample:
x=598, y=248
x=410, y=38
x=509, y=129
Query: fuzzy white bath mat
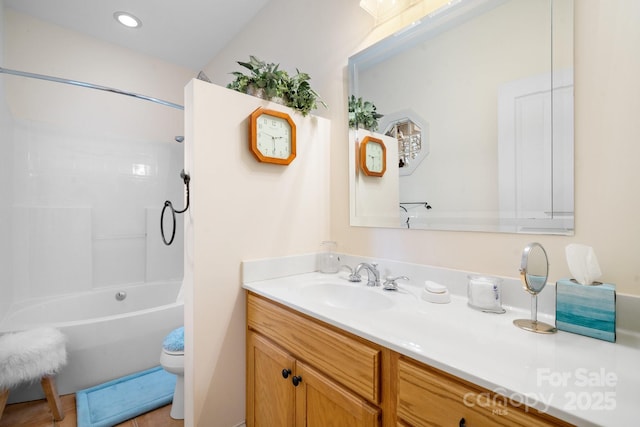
x=30, y=355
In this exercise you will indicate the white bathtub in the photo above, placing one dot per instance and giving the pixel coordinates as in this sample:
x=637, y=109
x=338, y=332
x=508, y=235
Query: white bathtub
x=107, y=338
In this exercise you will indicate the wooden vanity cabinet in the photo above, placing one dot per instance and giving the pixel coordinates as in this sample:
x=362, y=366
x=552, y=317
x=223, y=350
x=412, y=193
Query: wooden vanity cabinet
x=303, y=372
x=270, y=396
x=429, y=397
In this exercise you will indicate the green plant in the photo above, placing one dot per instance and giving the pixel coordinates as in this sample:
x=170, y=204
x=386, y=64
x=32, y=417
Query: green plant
x=300, y=95
x=294, y=92
x=363, y=114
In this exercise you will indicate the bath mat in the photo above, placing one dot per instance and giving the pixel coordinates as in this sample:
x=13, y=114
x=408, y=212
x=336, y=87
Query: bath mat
x=124, y=398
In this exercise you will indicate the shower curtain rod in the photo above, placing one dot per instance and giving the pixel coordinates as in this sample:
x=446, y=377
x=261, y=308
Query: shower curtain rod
x=89, y=85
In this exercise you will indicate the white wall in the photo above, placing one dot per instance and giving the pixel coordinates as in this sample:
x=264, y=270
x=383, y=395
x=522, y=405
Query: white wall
x=90, y=170
x=6, y=181
x=606, y=134
x=240, y=209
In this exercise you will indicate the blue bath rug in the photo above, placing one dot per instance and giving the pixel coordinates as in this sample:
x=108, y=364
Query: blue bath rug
x=124, y=398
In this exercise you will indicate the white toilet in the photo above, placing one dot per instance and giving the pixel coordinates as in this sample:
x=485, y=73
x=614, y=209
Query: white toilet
x=172, y=360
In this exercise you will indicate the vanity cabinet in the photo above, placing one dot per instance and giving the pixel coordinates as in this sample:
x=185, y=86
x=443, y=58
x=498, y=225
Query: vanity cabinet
x=304, y=372
x=429, y=397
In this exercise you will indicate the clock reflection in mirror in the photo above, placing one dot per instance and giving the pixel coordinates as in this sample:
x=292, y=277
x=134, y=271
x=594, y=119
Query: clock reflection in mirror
x=373, y=156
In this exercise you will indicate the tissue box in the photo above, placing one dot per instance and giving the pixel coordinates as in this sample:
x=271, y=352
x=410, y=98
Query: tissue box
x=586, y=310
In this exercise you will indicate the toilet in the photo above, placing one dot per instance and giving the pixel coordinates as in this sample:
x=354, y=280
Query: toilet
x=172, y=361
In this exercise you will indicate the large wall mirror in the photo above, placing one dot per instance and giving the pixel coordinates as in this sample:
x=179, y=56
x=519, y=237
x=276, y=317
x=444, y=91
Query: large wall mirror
x=485, y=89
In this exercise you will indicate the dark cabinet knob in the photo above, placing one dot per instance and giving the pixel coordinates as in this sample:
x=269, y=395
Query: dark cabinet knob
x=296, y=380
x=463, y=423
x=286, y=373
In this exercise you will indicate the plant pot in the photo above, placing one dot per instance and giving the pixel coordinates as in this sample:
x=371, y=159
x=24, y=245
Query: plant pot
x=259, y=92
x=282, y=100
x=256, y=91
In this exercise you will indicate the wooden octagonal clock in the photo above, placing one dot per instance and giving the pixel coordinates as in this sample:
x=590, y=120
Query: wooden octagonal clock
x=373, y=156
x=272, y=136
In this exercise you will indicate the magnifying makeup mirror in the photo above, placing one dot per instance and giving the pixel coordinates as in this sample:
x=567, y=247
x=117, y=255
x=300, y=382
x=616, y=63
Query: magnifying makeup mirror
x=534, y=270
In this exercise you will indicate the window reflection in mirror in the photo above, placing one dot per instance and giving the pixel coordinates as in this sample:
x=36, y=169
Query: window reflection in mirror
x=497, y=110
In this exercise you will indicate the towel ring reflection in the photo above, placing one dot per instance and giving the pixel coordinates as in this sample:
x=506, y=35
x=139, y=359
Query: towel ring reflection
x=167, y=204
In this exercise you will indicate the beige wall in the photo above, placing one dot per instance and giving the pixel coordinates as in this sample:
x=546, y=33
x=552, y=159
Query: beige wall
x=607, y=131
x=240, y=209
x=38, y=47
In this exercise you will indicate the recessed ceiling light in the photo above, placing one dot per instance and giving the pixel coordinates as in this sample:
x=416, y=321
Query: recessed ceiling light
x=127, y=19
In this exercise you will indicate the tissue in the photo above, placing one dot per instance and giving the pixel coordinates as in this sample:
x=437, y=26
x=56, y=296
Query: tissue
x=583, y=263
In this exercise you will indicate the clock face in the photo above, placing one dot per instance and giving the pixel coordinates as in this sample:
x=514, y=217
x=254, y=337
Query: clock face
x=373, y=156
x=274, y=136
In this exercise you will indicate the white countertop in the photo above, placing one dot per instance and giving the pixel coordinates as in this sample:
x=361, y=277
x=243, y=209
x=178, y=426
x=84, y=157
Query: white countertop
x=582, y=380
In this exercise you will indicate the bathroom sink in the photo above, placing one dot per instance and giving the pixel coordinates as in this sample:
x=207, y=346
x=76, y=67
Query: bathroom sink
x=347, y=296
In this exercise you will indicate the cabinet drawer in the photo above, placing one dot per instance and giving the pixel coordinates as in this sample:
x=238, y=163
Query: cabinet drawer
x=348, y=360
x=427, y=397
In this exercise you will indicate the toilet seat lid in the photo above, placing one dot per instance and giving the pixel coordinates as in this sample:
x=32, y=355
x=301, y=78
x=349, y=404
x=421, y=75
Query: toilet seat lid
x=174, y=341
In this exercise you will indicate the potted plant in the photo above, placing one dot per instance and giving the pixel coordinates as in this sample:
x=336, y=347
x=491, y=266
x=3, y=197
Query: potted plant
x=267, y=81
x=362, y=114
x=300, y=96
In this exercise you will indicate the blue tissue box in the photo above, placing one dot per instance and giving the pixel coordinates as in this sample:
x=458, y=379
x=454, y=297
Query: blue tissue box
x=586, y=310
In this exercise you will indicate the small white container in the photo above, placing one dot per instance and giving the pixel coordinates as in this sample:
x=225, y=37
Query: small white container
x=484, y=294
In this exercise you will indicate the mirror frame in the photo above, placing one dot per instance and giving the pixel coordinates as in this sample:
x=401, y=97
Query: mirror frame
x=435, y=23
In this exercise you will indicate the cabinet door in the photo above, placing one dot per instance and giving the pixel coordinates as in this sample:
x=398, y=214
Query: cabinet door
x=270, y=396
x=353, y=362
x=321, y=402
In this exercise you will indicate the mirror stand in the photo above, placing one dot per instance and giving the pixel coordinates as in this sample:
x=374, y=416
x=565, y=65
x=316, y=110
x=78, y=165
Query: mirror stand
x=534, y=271
x=533, y=324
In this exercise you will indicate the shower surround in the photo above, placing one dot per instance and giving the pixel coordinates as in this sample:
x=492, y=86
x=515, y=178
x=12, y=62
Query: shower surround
x=87, y=173
x=86, y=210
x=80, y=210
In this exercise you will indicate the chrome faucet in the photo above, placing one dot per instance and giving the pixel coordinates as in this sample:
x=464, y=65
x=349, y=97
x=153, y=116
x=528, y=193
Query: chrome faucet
x=391, y=285
x=372, y=270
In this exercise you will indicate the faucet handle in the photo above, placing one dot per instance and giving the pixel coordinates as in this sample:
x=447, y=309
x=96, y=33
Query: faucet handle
x=376, y=272
x=390, y=283
x=353, y=277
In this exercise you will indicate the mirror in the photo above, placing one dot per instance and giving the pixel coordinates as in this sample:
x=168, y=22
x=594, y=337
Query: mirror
x=489, y=84
x=534, y=270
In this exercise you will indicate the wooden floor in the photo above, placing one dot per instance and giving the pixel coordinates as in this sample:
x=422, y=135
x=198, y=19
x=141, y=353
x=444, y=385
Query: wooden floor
x=37, y=414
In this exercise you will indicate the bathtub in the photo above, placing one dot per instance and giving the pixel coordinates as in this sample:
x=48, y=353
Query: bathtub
x=107, y=337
